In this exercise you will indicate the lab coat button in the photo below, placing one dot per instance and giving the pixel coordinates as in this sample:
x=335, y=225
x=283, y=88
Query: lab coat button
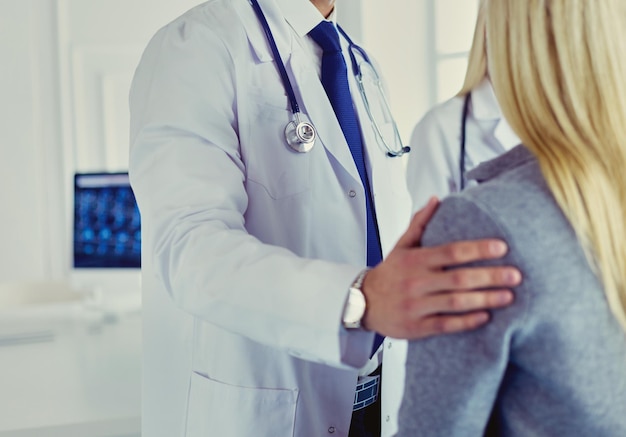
x=387, y=419
x=352, y=193
x=389, y=345
x=331, y=430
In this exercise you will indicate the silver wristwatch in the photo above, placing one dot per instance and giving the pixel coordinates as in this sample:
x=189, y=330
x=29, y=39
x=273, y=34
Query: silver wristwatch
x=354, y=309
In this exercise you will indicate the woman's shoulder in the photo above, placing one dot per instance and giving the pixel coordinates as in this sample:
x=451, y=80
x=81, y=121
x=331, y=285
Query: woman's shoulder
x=510, y=189
x=511, y=185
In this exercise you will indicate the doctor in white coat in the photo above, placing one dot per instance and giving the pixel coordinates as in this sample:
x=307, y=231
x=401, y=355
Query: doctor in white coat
x=460, y=133
x=250, y=249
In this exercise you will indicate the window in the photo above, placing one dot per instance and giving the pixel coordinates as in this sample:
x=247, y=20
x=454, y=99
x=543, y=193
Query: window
x=421, y=47
x=451, y=38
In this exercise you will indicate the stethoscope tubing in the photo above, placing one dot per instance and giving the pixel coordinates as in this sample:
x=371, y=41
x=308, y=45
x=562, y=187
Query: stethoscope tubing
x=352, y=46
x=293, y=102
x=464, y=114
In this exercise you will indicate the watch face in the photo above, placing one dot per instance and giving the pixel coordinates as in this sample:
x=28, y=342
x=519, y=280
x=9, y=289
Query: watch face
x=355, y=309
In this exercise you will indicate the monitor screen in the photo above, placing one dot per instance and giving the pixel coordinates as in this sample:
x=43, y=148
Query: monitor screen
x=107, y=230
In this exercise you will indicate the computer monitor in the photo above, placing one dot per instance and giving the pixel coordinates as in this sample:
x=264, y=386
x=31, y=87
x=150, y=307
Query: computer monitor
x=106, y=231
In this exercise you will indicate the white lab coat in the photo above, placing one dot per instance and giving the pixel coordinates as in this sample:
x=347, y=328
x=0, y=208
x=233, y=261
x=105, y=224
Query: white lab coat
x=433, y=164
x=248, y=247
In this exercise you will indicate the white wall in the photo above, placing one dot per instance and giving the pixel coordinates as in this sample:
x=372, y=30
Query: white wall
x=64, y=82
x=397, y=35
x=27, y=139
x=64, y=79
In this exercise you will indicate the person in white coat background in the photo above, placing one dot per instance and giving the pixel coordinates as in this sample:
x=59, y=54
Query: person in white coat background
x=554, y=362
x=455, y=136
x=259, y=308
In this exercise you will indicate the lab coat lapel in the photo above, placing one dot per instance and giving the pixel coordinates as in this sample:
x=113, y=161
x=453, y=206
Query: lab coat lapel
x=386, y=176
x=256, y=34
x=314, y=102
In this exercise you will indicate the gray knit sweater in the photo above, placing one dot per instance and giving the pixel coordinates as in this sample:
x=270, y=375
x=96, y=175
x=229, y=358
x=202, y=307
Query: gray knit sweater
x=554, y=363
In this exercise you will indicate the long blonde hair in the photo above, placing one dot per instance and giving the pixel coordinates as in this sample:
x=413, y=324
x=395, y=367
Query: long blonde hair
x=477, y=59
x=558, y=68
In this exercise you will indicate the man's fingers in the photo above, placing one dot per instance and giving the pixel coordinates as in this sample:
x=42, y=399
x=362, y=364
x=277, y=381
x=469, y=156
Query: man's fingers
x=460, y=252
x=455, y=311
x=471, y=278
x=463, y=302
x=418, y=292
x=414, y=232
x=450, y=324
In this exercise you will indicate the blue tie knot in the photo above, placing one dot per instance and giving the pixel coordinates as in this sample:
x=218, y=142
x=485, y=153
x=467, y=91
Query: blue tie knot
x=326, y=36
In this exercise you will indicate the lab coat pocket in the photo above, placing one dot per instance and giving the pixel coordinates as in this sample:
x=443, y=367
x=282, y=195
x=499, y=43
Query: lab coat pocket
x=218, y=409
x=270, y=162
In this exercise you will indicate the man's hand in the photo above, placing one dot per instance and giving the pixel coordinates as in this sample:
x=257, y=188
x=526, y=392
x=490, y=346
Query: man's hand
x=411, y=295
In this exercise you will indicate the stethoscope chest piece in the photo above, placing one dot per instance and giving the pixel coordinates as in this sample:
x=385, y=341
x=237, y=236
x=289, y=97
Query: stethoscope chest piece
x=300, y=136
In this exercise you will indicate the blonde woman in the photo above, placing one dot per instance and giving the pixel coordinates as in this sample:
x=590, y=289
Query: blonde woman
x=554, y=363
x=459, y=133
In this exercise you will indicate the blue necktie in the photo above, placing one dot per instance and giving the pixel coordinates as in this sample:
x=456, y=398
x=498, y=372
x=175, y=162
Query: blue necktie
x=335, y=82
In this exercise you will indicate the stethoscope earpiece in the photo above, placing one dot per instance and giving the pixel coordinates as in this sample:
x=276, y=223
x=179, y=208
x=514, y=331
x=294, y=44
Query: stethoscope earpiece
x=402, y=151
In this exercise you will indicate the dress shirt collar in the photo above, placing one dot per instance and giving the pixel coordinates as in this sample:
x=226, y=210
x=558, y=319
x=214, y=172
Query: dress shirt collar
x=302, y=15
x=515, y=157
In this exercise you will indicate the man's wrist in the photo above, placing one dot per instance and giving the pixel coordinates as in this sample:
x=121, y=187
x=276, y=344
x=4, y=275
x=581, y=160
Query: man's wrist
x=356, y=305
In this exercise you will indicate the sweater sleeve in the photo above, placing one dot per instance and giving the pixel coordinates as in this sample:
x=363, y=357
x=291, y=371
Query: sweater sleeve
x=452, y=381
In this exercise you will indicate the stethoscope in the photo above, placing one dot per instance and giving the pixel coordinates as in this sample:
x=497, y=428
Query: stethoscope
x=301, y=135
x=466, y=103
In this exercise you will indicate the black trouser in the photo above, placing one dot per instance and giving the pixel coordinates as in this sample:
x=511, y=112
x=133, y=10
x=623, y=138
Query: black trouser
x=366, y=421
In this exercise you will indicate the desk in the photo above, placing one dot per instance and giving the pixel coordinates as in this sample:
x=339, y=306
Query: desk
x=79, y=377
